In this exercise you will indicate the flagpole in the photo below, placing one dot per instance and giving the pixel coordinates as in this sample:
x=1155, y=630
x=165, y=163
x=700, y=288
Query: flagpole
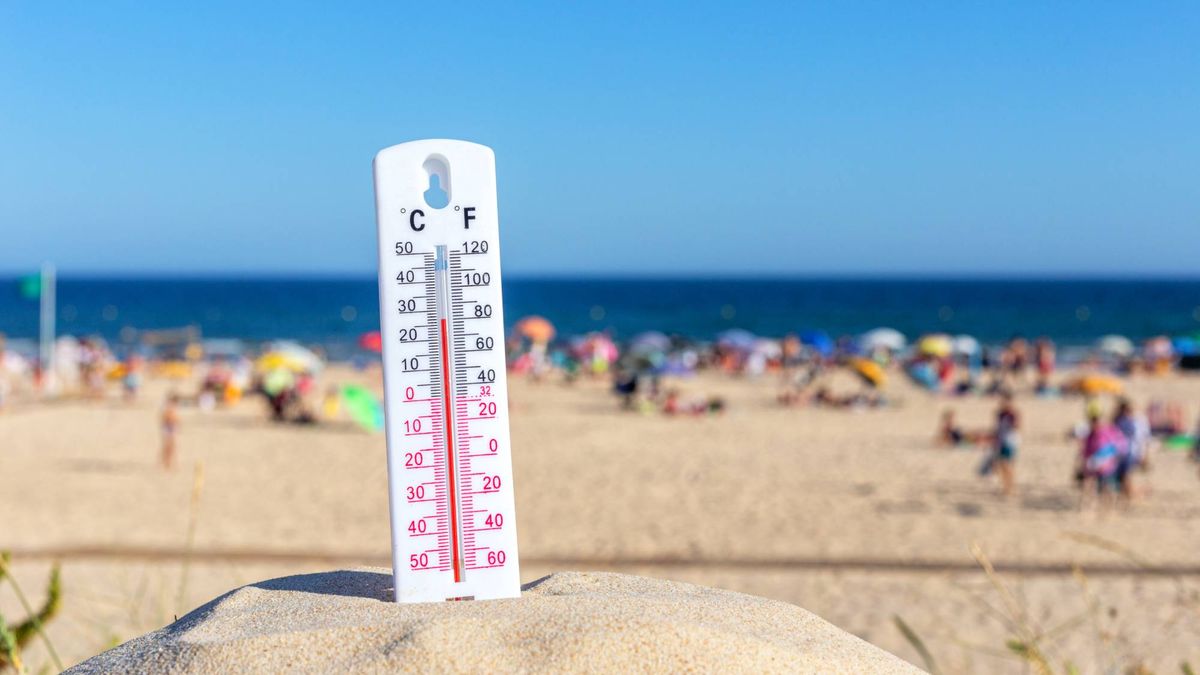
x=46, y=329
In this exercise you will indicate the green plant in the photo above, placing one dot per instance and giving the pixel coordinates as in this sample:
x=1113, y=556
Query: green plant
x=14, y=637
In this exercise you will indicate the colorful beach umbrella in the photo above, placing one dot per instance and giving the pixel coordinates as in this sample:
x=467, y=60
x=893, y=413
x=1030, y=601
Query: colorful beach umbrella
x=817, y=340
x=871, y=372
x=1095, y=384
x=736, y=338
x=936, y=345
x=1115, y=345
x=372, y=341
x=362, y=406
x=649, y=342
x=882, y=338
x=965, y=345
x=536, y=329
x=290, y=356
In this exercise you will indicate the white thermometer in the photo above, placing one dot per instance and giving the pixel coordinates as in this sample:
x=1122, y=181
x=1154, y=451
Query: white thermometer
x=449, y=463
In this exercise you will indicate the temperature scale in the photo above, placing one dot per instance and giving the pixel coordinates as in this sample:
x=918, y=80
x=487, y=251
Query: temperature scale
x=449, y=463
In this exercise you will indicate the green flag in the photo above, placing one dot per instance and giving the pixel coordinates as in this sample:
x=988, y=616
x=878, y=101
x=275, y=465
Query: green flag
x=30, y=286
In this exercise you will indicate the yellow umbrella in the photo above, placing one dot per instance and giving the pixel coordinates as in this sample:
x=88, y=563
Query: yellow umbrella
x=1100, y=384
x=536, y=328
x=936, y=345
x=870, y=371
x=280, y=361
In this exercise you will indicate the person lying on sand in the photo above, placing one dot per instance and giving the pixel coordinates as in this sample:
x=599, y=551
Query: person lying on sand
x=950, y=434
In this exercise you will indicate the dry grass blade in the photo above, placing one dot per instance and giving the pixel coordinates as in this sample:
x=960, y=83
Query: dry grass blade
x=917, y=643
x=35, y=623
x=1025, y=646
x=193, y=513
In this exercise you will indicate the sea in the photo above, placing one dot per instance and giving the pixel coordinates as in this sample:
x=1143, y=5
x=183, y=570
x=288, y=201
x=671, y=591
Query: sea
x=334, y=312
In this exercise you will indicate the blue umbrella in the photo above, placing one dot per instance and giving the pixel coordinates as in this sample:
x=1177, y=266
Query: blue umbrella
x=736, y=338
x=649, y=343
x=818, y=340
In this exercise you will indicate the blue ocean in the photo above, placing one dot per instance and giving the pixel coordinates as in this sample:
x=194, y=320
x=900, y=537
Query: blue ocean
x=334, y=312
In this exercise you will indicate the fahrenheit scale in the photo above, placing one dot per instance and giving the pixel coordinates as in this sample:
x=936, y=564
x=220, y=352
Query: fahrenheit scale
x=449, y=463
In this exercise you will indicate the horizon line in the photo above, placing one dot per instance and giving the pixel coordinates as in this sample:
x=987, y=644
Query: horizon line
x=298, y=275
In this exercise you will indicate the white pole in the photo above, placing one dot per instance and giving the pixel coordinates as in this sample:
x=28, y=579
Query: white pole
x=46, y=326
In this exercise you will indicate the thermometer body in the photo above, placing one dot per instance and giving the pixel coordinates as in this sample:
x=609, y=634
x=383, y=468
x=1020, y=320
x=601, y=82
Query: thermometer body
x=449, y=463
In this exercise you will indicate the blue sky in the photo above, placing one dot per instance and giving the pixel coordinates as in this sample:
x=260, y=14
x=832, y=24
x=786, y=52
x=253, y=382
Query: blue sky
x=638, y=138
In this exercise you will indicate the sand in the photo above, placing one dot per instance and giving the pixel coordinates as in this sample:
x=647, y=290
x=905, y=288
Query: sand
x=855, y=516
x=567, y=622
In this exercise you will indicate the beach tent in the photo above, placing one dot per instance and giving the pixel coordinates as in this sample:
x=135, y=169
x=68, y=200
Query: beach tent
x=818, y=340
x=882, y=338
x=536, y=329
x=938, y=345
x=1115, y=345
x=736, y=338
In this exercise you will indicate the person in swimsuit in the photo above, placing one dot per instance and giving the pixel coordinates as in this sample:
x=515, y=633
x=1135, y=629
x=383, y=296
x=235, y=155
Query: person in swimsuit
x=170, y=427
x=1006, y=441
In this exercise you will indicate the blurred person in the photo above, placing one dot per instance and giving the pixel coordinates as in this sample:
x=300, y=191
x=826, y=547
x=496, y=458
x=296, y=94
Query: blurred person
x=1006, y=441
x=5, y=384
x=1099, y=456
x=1136, y=430
x=170, y=428
x=131, y=381
x=1045, y=358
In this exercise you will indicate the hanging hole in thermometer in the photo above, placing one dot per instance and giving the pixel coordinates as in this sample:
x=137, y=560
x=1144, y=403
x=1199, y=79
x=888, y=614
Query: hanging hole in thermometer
x=441, y=313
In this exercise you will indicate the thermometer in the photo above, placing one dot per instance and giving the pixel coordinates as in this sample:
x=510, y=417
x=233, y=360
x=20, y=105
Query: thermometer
x=449, y=463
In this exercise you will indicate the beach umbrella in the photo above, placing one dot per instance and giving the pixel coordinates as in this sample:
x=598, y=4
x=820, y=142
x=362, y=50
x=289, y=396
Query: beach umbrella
x=871, y=372
x=767, y=348
x=536, y=329
x=362, y=406
x=1158, y=348
x=965, y=345
x=882, y=338
x=736, y=338
x=1115, y=345
x=1185, y=346
x=938, y=345
x=649, y=342
x=818, y=340
x=13, y=363
x=291, y=356
x=598, y=346
x=372, y=341
x=1101, y=384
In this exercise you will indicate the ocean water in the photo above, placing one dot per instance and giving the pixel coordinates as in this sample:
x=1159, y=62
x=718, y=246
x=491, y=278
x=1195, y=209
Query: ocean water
x=334, y=312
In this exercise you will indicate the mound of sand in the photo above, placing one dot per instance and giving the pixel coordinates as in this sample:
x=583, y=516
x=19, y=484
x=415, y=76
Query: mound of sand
x=342, y=622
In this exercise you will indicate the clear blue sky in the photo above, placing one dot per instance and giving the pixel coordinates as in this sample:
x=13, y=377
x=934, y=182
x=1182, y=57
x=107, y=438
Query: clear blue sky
x=725, y=138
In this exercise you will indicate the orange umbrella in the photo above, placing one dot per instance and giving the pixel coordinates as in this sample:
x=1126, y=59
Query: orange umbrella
x=536, y=329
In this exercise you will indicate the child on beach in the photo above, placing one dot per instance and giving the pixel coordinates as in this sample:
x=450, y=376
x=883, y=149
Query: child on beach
x=1099, y=455
x=1005, y=441
x=170, y=427
x=1136, y=430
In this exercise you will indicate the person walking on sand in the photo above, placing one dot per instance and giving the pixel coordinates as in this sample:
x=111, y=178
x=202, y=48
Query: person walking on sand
x=170, y=427
x=1006, y=441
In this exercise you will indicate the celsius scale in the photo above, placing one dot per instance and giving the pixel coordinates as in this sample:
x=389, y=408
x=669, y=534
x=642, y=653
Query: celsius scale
x=442, y=321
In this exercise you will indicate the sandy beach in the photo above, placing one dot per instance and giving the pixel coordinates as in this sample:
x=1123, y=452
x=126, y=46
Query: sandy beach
x=856, y=516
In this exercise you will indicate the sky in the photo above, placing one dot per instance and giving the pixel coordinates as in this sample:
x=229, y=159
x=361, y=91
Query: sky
x=674, y=138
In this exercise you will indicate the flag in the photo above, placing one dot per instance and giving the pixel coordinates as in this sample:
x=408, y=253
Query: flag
x=30, y=286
